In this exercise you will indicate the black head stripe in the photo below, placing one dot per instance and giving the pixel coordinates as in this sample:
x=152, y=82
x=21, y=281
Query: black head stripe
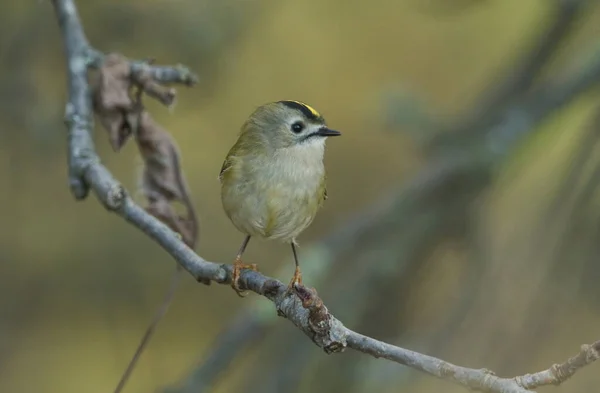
x=306, y=110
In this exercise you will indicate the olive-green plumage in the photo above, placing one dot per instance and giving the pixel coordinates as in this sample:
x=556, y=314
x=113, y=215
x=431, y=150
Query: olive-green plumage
x=273, y=179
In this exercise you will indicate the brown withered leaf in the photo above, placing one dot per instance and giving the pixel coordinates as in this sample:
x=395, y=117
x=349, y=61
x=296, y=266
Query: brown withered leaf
x=166, y=213
x=112, y=100
x=163, y=181
x=123, y=115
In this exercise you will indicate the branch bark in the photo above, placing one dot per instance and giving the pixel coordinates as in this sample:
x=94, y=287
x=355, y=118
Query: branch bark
x=303, y=308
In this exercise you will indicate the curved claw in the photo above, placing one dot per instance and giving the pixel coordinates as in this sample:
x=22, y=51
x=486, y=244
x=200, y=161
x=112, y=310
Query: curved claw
x=235, y=276
x=296, y=280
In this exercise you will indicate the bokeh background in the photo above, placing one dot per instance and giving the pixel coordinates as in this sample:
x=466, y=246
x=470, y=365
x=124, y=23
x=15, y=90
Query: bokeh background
x=464, y=228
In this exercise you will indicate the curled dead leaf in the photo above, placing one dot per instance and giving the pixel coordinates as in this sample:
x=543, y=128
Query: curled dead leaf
x=123, y=115
x=163, y=180
x=112, y=100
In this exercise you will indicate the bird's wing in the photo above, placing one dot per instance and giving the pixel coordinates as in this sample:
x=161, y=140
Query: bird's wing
x=224, y=168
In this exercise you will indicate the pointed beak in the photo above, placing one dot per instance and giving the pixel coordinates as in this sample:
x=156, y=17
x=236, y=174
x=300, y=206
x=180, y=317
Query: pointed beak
x=328, y=132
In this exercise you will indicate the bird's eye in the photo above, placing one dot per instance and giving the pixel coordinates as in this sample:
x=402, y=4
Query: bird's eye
x=297, y=127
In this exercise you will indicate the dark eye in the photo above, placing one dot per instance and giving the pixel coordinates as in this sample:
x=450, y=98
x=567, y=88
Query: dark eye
x=297, y=127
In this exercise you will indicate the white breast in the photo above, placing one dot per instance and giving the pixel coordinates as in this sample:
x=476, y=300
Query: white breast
x=301, y=164
x=277, y=203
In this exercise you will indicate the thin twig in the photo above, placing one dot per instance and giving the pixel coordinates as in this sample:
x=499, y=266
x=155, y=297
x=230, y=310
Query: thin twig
x=160, y=313
x=559, y=373
x=303, y=308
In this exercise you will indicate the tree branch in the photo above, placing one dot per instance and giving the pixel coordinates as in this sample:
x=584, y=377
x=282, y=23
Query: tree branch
x=303, y=308
x=478, y=379
x=559, y=373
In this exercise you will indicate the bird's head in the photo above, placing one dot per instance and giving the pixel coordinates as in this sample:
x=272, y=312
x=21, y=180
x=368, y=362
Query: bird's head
x=285, y=124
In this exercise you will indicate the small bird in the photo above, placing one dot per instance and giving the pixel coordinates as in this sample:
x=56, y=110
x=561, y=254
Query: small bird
x=273, y=178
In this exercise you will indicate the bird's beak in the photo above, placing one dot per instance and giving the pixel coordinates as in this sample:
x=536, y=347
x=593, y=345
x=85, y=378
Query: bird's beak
x=324, y=131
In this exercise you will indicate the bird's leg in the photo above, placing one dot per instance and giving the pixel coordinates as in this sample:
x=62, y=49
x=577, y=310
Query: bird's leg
x=297, y=279
x=238, y=265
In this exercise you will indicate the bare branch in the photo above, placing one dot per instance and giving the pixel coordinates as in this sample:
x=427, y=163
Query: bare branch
x=478, y=379
x=122, y=115
x=303, y=308
x=559, y=373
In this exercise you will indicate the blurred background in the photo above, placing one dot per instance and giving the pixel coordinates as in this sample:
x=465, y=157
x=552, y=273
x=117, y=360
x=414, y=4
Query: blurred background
x=462, y=219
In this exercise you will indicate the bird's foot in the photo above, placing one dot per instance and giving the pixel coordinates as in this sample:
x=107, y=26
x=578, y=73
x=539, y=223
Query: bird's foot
x=296, y=280
x=235, y=275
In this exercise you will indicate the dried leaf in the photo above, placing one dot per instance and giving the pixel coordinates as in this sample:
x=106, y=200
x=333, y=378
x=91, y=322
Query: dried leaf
x=123, y=115
x=165, y=212
x=163, y=180
x=112, y=100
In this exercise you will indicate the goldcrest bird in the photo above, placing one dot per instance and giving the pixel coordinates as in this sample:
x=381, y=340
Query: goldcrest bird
x=273, y=178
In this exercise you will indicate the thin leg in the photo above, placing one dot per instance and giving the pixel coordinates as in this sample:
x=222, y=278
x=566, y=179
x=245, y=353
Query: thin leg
x=238, y=265
x=243, y=246
x=297, y=279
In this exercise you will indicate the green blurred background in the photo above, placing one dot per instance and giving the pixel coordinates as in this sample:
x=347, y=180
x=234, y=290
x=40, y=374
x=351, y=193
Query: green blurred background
x=507, y=280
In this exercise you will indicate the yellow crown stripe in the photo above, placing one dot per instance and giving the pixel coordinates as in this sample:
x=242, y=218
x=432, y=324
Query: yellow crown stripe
x=310, y=108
